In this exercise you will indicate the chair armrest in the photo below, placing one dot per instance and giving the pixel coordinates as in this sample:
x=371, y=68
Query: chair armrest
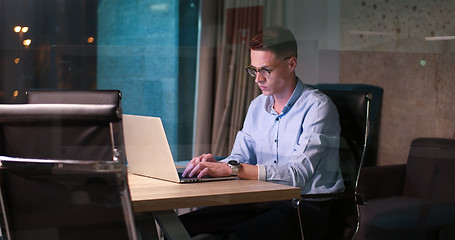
x=382, y=181
x=349, y=195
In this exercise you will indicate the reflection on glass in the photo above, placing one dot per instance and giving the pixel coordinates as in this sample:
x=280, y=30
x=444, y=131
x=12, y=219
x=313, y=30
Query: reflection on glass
x=27, y=42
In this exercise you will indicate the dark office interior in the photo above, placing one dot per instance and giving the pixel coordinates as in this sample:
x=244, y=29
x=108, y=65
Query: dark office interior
x=164, y=57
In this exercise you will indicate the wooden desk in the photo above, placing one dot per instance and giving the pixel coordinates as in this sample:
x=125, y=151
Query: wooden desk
x=150, y=194
x=161, y=197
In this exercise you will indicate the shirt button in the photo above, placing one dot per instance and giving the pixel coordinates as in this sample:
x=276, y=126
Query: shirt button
x=276, y=140
x=274, y=161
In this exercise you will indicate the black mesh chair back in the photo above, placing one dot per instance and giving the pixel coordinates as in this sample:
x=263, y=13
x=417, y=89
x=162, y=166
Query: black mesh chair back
x=88, y=140
x=41, y=202
x=63, y=173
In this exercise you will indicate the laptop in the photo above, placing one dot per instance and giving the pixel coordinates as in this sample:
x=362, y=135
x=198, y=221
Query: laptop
x=148, y=153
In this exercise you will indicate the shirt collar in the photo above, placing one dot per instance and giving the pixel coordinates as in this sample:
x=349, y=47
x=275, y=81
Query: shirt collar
x=295, y=95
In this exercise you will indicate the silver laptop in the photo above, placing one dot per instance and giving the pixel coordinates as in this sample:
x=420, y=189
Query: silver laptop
x=148, y=153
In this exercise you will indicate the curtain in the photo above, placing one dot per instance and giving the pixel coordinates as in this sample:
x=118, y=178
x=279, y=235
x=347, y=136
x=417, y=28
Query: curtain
x=224, y=88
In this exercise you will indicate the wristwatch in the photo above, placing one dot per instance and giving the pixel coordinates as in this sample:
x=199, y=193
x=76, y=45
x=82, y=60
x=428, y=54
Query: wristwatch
x=235, y=165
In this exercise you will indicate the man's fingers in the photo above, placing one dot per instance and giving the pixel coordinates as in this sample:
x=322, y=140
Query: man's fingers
x=199, y=167
x=188, y=169
x=203, y=172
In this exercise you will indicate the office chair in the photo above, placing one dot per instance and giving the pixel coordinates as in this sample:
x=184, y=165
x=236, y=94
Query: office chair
x=144, y=222
x=374, y=113
x=412, y=200
x=63, y=173
x=92, y=135
x=353, y=108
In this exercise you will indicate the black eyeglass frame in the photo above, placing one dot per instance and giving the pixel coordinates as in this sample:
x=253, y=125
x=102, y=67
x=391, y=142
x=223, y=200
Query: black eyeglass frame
x=252, y=71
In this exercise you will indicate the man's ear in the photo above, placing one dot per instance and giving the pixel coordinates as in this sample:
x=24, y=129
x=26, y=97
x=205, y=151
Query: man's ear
x=293, y=63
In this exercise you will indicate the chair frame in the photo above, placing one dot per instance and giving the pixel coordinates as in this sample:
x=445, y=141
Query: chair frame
x=357, y=197
x=54, y=96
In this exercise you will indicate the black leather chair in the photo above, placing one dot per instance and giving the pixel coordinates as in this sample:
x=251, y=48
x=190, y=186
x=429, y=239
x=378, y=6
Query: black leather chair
x=374, y=113
x=354, y=108
x=63, y=173
x=415, y=200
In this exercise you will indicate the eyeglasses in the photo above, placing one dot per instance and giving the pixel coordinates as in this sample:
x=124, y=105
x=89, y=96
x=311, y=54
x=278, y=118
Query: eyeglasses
x=265, y=72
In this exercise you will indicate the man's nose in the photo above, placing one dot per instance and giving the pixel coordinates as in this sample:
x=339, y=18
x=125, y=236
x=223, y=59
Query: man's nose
x=259, y=78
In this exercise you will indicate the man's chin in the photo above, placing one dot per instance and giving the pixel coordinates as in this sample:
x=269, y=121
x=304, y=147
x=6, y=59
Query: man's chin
x=266, y=93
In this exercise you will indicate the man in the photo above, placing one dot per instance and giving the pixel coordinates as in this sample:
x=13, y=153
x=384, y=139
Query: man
x=290, y=136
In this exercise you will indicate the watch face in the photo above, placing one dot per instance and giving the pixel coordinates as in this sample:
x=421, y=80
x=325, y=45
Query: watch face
x=234, y=163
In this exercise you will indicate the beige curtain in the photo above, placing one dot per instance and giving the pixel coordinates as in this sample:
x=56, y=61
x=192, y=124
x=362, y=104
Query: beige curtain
x=224, y=88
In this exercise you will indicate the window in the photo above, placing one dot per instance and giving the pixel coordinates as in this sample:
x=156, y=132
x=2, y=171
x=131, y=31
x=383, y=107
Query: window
x=146, y=49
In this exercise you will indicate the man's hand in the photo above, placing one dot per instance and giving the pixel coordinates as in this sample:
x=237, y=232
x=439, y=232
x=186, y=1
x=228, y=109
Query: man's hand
x=206, y=165
x=208, y=157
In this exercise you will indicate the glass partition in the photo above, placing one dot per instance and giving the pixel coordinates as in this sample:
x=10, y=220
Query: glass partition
x=149, y=50
x=146, y=49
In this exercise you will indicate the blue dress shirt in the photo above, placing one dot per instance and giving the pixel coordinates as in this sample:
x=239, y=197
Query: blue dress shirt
x=298, y=147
